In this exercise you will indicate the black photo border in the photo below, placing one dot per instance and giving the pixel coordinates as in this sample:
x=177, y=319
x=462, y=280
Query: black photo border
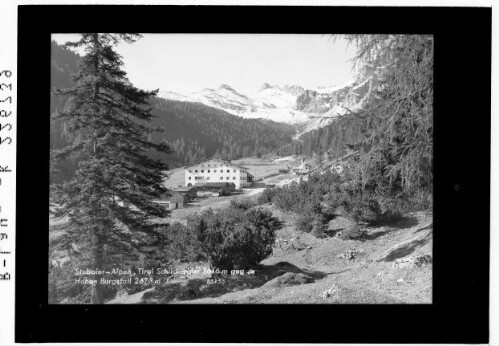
x=462, y=98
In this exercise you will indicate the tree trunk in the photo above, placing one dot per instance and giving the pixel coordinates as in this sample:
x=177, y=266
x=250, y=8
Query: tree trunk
x=98, y=293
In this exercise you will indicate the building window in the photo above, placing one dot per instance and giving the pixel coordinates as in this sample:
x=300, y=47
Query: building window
x=228, y=178
x=234, y=178
x=189, y=178
x=228, y=171
x=190, y=171
x=209, y=166
x=208, y=171
x=208, y=178
x=234, y=171
x=202, y=171
x=214, y=171
x=196, y=171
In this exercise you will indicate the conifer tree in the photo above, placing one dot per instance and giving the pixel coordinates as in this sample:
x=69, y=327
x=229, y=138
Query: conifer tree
x=396, y=124
x=108, y=200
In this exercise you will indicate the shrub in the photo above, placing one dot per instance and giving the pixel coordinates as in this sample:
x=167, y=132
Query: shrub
x=243, y=204
x=182, y=243
x=359, y=206
x=354, y=233
x=329, y=211
x=267, y=196
x=287, y=198
x=319, y=226
x=368, y=211
x=394, y=208
x=304, y=222
x=307, y=194
x=236, y=238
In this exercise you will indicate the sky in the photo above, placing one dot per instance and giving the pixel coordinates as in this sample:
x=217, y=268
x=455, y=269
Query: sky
x=190, y=62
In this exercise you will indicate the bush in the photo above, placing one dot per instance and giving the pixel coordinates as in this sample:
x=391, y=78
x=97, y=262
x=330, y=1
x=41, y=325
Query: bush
x=319, y=226
x=329, y=211
x=236, y=238
x=182, y=243
x=354, y=233
x=394, y=208
x=359, y=206
x=287, y=198
x=244, y=204
x=304, y=222
x=267, y=196
x=307, y=194
x=368, y=211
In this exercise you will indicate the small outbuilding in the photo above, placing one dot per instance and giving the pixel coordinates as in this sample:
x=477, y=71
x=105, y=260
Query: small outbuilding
x=173, y=200
x=190, y=192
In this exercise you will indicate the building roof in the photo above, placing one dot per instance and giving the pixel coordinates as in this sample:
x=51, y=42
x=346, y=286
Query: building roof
x=176, y=198
x=223, y=162
x=173, y=196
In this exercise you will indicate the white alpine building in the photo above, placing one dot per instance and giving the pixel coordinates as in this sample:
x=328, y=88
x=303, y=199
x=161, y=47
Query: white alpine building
x=218, y=171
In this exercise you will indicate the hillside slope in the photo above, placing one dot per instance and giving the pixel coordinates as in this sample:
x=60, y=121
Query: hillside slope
x=307, y=270
x=197, y=132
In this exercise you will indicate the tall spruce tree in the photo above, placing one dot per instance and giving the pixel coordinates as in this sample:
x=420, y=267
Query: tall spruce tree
x=108, y=201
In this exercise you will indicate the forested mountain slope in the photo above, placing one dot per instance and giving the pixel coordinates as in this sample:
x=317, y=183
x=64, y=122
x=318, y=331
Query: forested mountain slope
x=194, y=131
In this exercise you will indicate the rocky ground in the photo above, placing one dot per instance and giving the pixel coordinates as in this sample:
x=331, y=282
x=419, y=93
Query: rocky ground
x=391, y=264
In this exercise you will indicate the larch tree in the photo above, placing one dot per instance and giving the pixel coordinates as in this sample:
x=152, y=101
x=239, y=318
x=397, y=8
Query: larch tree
x=108, y=201
x=396, y=122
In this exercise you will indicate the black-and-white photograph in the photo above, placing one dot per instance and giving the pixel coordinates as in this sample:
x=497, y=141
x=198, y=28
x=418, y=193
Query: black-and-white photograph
x=241, y=169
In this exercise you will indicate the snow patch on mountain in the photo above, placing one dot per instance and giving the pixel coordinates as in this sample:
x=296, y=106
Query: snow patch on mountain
x=171, y=95
x=270, y=102
x=330, y=89
x=305, y=108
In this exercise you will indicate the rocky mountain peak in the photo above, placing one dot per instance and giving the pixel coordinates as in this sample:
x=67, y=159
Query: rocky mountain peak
x=226, y=87
x=295, y=90
x=292, y=104
x=265, y=86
